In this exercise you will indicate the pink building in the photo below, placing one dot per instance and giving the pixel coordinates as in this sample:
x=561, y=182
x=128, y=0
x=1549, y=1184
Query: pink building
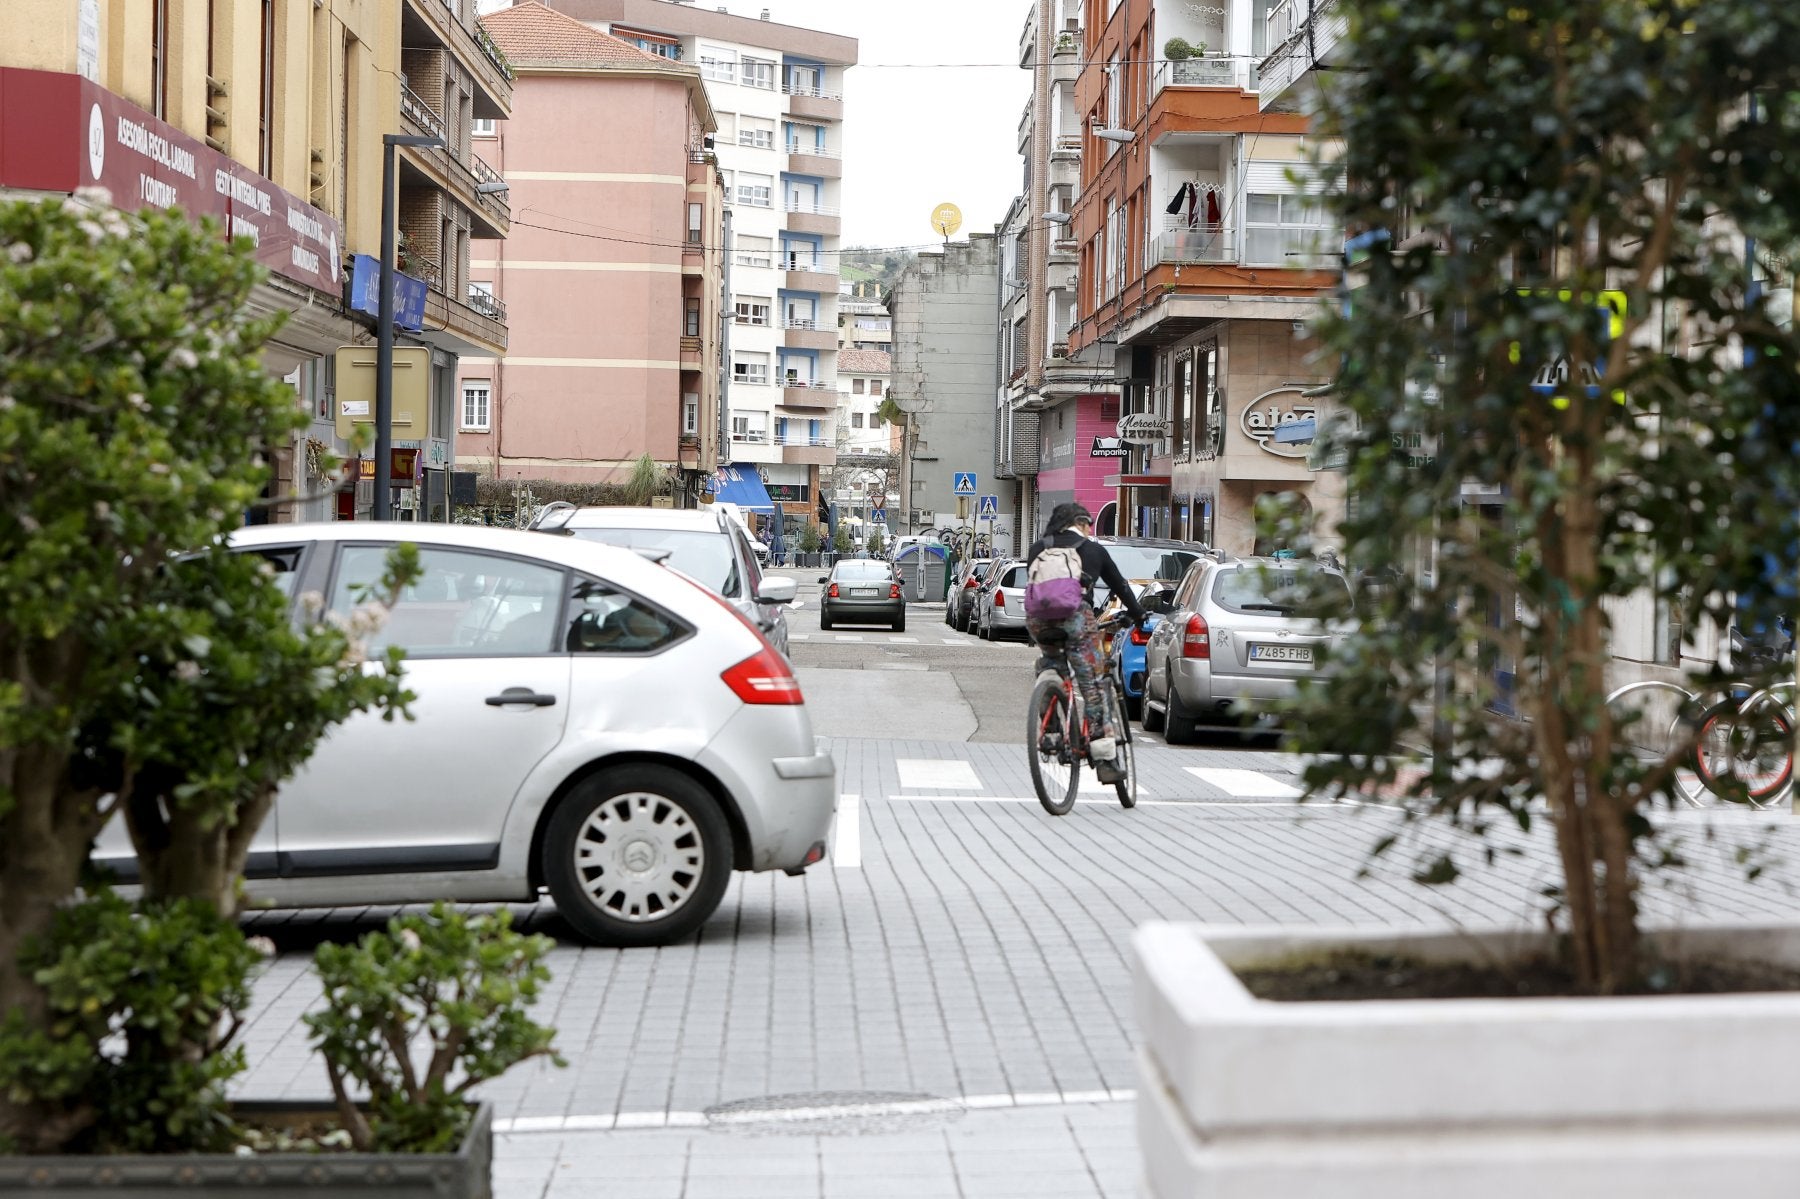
x=1080, y=449
x=612, y=278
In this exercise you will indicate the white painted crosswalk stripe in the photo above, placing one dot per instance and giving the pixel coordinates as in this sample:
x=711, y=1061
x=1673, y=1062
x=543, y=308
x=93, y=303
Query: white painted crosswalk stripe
x=846, y=834
x=1243, y=784
x=937, y=774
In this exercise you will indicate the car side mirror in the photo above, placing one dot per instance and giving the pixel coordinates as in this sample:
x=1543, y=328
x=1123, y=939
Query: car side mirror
x=777, y=590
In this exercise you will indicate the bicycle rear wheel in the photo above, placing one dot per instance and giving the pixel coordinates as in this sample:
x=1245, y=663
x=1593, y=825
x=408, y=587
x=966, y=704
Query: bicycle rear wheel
x=1750, y=744
x=1126, y=759
x=1049, y=733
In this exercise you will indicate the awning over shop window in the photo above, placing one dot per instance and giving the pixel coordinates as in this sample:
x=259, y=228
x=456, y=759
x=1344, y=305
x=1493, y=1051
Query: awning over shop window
x=740, y=484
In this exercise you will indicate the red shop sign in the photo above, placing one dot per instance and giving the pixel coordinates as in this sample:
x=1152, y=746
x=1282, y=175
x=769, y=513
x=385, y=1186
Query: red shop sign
x=61, y=132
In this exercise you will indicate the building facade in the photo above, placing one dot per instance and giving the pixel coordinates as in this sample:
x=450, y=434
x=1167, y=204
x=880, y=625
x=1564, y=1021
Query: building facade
x=944, y=366
x=269, y=117
x=617, y=340
x=1203, y=250
x=778, y=94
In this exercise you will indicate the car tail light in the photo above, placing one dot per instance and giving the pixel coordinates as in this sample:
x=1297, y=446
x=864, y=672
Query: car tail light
x=764, y=678
x=999, y=599
x=833, y=592
x=1139, y=636
x=972, y=584
x=1196, y=639
x=893, y=591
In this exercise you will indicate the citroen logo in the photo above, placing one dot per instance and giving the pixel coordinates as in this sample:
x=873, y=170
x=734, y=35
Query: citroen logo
x=639, y=857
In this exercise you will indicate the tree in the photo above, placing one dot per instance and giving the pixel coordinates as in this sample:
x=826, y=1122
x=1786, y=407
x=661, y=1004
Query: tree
x=146, y=672
x=1568, y=324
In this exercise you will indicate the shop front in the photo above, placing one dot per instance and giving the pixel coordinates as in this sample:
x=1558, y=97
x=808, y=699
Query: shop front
x=1080, y=448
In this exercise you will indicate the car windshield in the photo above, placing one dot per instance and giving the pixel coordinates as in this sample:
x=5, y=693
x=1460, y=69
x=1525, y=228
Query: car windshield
x=1151, y=562
x=862, y=570
x=1279, y=590
x=704, y=557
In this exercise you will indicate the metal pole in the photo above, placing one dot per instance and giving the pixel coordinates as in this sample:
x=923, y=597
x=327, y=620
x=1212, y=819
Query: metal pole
x=384, y=326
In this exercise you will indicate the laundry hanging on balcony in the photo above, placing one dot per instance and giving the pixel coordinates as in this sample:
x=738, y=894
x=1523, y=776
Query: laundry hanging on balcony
x=1193, y=198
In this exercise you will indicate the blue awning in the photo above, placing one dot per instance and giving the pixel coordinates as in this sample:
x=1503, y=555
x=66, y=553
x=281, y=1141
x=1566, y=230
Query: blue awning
x=741, y=484
x=1297, y=432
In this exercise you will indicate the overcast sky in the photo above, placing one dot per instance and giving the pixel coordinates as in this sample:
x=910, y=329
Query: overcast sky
x=918, y=134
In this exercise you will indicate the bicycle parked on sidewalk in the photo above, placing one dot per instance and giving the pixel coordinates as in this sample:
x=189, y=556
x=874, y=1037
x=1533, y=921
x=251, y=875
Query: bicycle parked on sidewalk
x=1056, y=735
x=1737, y=745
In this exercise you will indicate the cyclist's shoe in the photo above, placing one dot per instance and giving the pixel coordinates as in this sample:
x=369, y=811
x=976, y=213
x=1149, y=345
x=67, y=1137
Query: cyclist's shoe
x=1102, y=749
x=1109, y=771
x=1050, y=745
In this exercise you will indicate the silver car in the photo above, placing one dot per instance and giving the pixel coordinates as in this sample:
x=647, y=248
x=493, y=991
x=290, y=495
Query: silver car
x=705, y=544
x=963, y=594
x=1231, y=643
x=1001, y=606
x=588, y=723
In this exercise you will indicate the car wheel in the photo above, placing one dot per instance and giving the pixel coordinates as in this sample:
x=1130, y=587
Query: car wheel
x=985, y=631
x=900, y=625
x=824, y=622
x=637, y=856
x=1179, y=724
x=949, y=616
x=1134, y=704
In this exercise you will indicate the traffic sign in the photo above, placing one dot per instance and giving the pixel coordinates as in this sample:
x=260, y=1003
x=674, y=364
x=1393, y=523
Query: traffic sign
x=878, y=516
x=990, y=505
x=965, y=482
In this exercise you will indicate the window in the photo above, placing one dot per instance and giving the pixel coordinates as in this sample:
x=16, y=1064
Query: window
x=856, y=420
x=1115, y=108
x=690, y=326
x=874, y=387
x=757, y=133
x=752, y=310
x=805, y=139
x=753, y=251
x=749, y=426
x=781, y=431
x=755, y=191
x=751, y=368
x=718, y=65
x=690, y=415
x=1109, y=250
x=462, y=604
x=804, y=81
x=265, y=126
x=159, y=58
x=649, y=45
x=1279, y=229
x=477, y=398
x=757, y=72
x=483, y=127
x=696, y=219
x=856, y=387
x=604, y=621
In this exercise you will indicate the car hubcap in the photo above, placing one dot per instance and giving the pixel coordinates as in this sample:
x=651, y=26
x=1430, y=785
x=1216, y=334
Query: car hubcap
x=639, y=857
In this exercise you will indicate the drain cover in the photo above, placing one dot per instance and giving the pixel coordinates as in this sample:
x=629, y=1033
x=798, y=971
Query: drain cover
x=834, y=1113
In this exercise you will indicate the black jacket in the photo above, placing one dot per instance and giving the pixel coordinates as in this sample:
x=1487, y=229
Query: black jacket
x=1096, y=564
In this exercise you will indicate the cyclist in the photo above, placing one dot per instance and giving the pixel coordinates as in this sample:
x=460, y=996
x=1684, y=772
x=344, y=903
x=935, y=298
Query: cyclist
x=1077, y=637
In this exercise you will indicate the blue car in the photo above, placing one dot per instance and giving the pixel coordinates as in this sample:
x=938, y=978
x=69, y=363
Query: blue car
x=1125, y=649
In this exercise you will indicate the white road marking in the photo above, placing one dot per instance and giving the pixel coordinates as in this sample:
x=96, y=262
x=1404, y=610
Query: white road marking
x=1244, y=784
x=937, y=774
x=842, y=637
x=954, y=641
x=1270, y=804
x=846, y=834
x=799, y=636
x=525, y=1125
x=905, y=640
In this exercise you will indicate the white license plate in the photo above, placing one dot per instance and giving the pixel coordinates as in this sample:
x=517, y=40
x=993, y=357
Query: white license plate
x=865, y=592
x=1280, y=653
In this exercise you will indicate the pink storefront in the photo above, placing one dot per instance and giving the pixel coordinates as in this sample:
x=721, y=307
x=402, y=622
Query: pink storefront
x=1080, y=449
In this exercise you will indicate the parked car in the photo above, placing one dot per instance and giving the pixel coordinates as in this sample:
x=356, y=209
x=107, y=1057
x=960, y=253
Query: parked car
x=1233, y=641
x=1124, y=651
x=707, y=544
x=1143, y=559
x=1000, y=605
x=965, y=586
x=587, y=722
x=862, y=591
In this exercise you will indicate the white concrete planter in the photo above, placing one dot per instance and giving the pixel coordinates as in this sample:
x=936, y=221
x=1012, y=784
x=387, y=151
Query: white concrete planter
x=1650, y=1097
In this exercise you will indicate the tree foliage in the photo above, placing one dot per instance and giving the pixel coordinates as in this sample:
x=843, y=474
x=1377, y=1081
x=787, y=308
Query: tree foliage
x=1506, y=166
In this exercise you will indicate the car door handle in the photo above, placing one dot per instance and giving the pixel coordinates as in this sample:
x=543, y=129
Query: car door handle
x=520, y=695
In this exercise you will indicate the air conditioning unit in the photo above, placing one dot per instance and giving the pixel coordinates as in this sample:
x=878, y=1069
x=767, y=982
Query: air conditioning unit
x=919, y=516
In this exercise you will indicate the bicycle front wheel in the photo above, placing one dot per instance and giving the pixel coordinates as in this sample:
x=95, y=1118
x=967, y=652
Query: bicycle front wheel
x=1049, y=737
x=1126, y=759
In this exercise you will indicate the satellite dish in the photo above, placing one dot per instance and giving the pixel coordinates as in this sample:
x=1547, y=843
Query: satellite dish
x=946, y=219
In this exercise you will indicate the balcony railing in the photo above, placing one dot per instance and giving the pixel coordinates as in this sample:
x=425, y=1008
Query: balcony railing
x=487, y=304
x=795, y=322
x=1197, y=72
x=806, y=439
x=1180, y=242
x=815, y=151
x=790, y=262
x=817, y=93
x=493, y=52
x=752, y=436
x=808, y=384
x=811, y=208
x=413, y=106
x=484, y=172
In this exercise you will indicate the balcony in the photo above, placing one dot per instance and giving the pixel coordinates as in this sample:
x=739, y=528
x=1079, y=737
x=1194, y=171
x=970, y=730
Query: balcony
x=806, y=217
x=816, y=103
x=807, y=335
x=487, y=304
x=1180, y=242
x=803, y=449
x=448, y=172
x=693, y=256
x=427, y=22
x=810, y=394
x=1288, y=67
x=804, y=274
x=482, y=332
x=811, y=160
x=1203, y=72
x=693, y=354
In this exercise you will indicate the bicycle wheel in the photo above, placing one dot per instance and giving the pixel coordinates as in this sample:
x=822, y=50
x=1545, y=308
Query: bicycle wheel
x=1655, y=720
x=1126, y=758
x=1761, y=746
x=1055, y=771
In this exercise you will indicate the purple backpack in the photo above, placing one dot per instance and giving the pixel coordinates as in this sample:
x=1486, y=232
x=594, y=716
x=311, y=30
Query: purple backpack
x=1053, y=588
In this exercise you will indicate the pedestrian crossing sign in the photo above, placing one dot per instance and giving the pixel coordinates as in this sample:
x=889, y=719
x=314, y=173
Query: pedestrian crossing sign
x=878, y=516
x=990, y=505
x=965, y=482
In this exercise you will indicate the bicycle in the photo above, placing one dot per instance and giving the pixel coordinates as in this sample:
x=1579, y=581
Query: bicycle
x=1743, y=738
x=1056, y=734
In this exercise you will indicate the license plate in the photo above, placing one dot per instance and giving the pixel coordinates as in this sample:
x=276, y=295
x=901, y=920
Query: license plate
x=865, y=592
x=1280, y=653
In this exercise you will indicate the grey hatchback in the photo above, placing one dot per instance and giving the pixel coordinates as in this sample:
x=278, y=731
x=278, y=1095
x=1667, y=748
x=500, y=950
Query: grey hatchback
x=862, y=591
x=1234, y=642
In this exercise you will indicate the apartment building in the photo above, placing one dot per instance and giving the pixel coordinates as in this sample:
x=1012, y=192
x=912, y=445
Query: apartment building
x=864, y=322
x=778, y=93
x=269, y=116
x=614, y=286
x=865, y=376
x=1203, y=249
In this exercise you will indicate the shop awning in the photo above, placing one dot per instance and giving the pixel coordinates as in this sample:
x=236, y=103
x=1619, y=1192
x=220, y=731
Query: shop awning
x=741, y=484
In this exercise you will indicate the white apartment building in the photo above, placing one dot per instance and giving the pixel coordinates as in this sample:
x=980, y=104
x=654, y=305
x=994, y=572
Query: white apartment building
x=864, y=377
x=777, y=91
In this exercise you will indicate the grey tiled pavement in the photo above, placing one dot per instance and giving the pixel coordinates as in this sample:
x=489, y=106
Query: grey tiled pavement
x=974, y=964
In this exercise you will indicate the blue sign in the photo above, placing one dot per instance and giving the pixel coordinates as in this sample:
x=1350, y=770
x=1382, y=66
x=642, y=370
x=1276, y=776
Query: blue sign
x=878, y=515
x=365, y=293
x=965, y=482
x=990, y=505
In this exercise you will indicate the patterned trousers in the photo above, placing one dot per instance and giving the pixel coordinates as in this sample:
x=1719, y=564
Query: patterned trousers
x=1076, y=639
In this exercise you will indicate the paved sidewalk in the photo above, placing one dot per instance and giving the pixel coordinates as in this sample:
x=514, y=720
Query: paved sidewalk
x=948, y=1000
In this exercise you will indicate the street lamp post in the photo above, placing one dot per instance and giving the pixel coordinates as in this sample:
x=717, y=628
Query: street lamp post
x=384, y=325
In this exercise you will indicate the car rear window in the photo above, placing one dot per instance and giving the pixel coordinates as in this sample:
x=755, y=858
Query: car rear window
x=869, y=569
x=1014, y=577
x=1151, y=562
x=1258, y=589
x=704, y=557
